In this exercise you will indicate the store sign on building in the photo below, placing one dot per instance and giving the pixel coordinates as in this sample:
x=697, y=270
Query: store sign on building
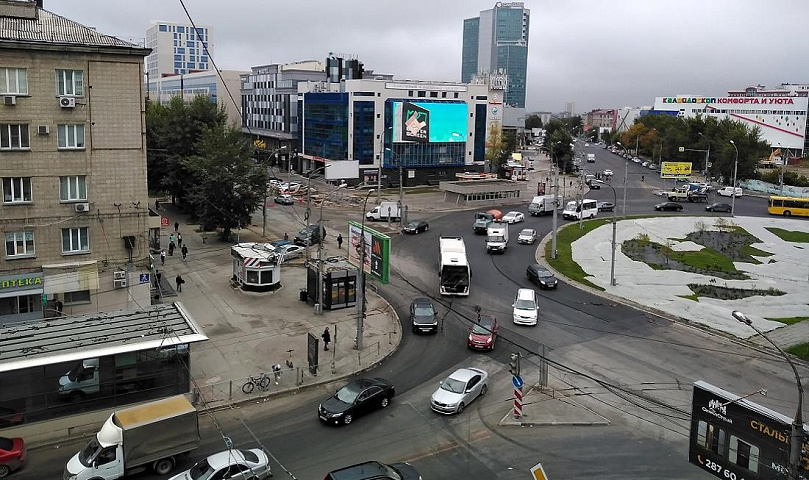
x=498, y=81
x=26, y=281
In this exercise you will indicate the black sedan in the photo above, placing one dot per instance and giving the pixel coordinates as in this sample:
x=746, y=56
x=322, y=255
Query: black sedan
x=719, y=207
x=356, y=398
x=416, y=226
x=541, y=276
x=606, y=206
x=669, y=206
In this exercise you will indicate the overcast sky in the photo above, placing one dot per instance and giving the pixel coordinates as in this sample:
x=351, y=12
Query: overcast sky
x=597, y=53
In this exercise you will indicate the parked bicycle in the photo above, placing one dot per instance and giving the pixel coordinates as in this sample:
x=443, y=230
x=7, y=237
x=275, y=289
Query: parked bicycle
x=262, y=382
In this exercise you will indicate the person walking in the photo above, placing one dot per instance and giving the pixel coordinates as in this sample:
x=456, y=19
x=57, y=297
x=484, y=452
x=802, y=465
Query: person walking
x=162, y=256
x=339, y=240
x=185, y=252
x=286, y=236
x=159, y=276
x=172, y=237
x=176, y=226
x=179, y=239
x=326, y=339
x=171, y=249
x=179, y=281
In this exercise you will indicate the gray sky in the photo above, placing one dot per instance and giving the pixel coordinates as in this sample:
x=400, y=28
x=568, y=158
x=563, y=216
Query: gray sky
x=598, y=53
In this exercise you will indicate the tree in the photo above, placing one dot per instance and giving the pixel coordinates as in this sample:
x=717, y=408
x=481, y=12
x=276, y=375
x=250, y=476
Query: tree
x=557, y=141
x=533, y=121
x=496, y=151
x=225, y=186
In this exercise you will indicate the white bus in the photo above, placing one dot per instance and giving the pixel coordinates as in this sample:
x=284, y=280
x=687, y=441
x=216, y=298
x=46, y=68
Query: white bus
x=578, y=209
x=454, y=273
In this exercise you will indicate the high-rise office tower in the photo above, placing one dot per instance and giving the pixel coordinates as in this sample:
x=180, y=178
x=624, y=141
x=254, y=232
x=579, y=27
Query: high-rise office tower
x=498, y=40
x=177, y=49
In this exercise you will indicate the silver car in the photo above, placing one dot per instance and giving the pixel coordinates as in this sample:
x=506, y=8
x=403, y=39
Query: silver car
x=459, y=390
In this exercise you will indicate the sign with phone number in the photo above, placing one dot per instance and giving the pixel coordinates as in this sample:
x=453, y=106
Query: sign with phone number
x=717, y=469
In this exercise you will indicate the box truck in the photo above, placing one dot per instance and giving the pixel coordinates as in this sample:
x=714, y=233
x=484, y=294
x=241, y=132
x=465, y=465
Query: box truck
x=384, y=211
x=497, y=237
x=541, y=205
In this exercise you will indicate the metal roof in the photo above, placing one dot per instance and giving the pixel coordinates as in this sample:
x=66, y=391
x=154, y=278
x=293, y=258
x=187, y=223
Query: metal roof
x=66, y=339
x=50, y=28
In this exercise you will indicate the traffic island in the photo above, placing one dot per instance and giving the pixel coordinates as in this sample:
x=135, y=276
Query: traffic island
x=544, y=406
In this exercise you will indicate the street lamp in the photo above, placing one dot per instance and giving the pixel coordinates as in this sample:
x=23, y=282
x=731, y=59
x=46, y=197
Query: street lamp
x=308, y=213
x=402, y=217
x=796, y=439
x=361, y=302
x=735, y=170
x=707, y=155
x=264, y=207
x=626, y=173
x=555, y=168
x=319, y=305
x=614, y=227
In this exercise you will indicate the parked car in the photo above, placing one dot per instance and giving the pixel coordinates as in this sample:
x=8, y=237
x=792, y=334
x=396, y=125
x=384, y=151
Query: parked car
x=652, y=166
x=718, y=207
x=233, y=463
x=310, y=236
x=355, y=398
x=586, y=144
x=284, y=199
x=608, y=172
x=12, y=455
x=483, y=334
x=280, y=243
x=541, y=276
x=644, y=164
x=290, y=251
x=513, y=217
x=459, y=389
x=422, y=316
x=606, y=206
x=636, y=159
x=375, y=471
x=416, y=226
x=669, y=206
x=527, y=236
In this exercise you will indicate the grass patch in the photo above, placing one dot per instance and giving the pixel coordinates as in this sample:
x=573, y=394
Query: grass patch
x=563, y=263
x=790, y=235
x=663, y=257
x=753, y=252
x=730, y=293
x=789, y=320
x=693, y=297
x=801, y=351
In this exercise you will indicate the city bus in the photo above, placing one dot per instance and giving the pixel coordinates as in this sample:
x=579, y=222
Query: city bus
x=788, y=206
x=453, y=268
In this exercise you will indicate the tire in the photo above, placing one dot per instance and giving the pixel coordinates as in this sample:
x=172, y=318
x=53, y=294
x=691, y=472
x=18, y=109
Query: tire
x=264, y=382
x=460, y=408
x=787, y=213
x=248, y=387
x=163, y=466
x=5, y=471
x=348, y=419
x=483, y=390
x=385, y=402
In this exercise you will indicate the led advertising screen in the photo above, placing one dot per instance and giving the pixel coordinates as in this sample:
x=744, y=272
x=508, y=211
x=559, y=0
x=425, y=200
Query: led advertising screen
x=434, y=122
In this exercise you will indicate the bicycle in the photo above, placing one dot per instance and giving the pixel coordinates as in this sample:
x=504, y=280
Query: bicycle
x=289, y=360
x=262, y=381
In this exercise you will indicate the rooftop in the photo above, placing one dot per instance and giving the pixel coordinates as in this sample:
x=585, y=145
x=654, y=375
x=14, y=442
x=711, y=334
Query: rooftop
x=66, y=339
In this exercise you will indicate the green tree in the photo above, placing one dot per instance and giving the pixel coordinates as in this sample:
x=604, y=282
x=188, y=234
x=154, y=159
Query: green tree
x=496, y=150
x=533, y=121
x=558, y=141
x=225, y=186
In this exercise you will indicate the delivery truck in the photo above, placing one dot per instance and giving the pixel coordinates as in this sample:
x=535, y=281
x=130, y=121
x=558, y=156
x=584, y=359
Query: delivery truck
x=148, y=436
x=384, y=211
x=497, y=237
x=541, y=205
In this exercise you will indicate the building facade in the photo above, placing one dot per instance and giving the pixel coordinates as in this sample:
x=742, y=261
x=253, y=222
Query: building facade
x=74, y=214
x=177, y=49
x=211, y=83
x=497, y=41
x=602, y=119
x=368, y=128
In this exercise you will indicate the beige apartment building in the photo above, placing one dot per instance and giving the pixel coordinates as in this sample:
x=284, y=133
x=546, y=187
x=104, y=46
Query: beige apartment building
x=74, y=215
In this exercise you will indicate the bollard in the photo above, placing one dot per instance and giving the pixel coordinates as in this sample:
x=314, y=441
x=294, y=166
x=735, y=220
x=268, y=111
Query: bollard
x=378, y=349
x=390, y=339
x=230, y=390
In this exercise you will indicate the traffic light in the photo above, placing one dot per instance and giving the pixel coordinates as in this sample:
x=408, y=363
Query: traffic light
x=514, y=364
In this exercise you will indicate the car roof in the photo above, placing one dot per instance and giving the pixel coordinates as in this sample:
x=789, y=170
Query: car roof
x=363, y=383
x=367, y=470
x=422, y=302
x=529, y=230
x=465, y=374
x=222, y=459
x=525, y=293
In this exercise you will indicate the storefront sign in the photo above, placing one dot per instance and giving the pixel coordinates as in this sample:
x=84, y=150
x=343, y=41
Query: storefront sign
x=26, y=281
x=732, y=100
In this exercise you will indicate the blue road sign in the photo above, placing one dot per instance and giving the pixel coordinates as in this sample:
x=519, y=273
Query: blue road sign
x=517, y=381
x=144, y=278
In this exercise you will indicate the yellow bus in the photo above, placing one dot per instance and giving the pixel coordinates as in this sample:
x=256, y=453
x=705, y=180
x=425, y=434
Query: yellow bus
x=788, y=206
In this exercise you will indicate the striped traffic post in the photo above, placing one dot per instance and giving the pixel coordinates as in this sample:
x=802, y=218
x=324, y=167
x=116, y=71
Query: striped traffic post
x=517, y=381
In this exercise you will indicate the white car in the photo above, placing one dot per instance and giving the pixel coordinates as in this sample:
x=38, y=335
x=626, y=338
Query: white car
x=253, y=463
x=644, y=164
x=729, y=191
x=290, y=251
x=527, y=236
x=459, y=390
x=513, y=217
x=608, y=172
x=586, y=144
x=526, y=308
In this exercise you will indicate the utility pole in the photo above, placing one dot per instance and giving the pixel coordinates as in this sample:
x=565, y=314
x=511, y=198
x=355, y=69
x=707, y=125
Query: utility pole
x=379, y=170
x=361, y=277
x=555, y=204
x=401, y=194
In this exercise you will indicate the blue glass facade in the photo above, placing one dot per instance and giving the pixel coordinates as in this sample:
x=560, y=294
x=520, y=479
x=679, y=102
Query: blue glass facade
x=364, y=132
x=325, y=125
x=480, y=133
x=469, y=53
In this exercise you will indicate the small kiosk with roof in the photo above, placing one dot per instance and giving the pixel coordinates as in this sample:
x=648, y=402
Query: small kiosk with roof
x=256, y=267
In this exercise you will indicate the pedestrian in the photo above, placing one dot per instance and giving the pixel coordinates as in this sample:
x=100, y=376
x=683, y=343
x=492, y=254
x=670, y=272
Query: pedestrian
x=276, y=372
x=179, y=239
x=171, y=249
x=641, y=177
x=159, y=276
x=179, y=281
x=172, y=237
x=286, y=236
x=185, y=252
x=176, y=226
x=163, y=256
x=339, y=240
x=326, y=339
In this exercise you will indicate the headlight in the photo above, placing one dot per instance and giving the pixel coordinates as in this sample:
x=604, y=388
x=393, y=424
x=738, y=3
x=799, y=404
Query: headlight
x=470, y=338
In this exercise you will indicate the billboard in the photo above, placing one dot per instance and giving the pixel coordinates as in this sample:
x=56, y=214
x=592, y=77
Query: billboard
x=377, y=251
x=675, y=169
x=433, y=122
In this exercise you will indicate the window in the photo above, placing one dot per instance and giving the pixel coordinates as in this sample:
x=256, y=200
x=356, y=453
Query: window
x=14, y=136
x=17, y=190
x=743, y=454
x=70, y=83
x=73, y=188
x=75, y=240
x=19, y=244
x=71, y=136
x=13, y=81
x=711, y=437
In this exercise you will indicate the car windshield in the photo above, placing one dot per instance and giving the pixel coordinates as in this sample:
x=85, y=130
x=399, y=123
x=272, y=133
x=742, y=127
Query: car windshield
x=526, y=233
x=249, y=456
x=524, y=305
x=496, y=238
x=481, y=329
x=89, y=452
x=349, y=393
x=413, y=224
x=424, y=311
x=452, y=385
x=201, y=471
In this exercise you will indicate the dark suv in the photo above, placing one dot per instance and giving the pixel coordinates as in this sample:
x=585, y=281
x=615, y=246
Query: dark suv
x=422, y=316
x=375, y=471
x=310, y=236
x=541, y=276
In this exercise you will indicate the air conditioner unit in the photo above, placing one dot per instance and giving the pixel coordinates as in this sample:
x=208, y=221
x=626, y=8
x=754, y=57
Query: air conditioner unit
x=67, y=102
x=82, y=207
x=10, y=100
x=119, y=283
x=44, y=129
x=119, y=275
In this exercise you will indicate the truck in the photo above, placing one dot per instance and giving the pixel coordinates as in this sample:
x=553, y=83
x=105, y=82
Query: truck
x=454, y=273
x=541, y=205
x=484, y=219
x=497, y=237
x=385, y=211
x=591, y=158
x=692, y=192
x=134, y=439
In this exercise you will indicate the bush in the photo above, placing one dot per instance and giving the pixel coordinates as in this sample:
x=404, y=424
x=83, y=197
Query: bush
x=790, y=178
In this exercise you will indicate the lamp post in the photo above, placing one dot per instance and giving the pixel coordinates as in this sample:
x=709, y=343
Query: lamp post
x=319, y=305
x=707, y=155
x=264, y=207
x=361, y=301
x=614, y=229
x=626, y=173
x=308, y=213
x=554, y=170
x=402, y=217
x=796, y=439
x=733, y=192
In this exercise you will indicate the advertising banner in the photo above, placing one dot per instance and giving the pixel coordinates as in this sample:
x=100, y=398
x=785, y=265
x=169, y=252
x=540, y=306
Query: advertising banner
x=377, y=251
x=434, y=122
x=675, y=169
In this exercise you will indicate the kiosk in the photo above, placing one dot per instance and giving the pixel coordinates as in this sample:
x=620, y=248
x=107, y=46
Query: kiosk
x=339, y=283
x=256, y=267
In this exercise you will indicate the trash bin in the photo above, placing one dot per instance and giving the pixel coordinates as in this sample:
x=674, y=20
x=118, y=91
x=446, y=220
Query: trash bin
x=304, y=294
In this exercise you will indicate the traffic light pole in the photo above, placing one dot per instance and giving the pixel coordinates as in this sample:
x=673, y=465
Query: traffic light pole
x=516, y=380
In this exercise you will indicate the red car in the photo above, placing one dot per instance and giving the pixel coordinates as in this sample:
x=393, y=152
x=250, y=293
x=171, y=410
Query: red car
x=12, y=455
x=483, y=334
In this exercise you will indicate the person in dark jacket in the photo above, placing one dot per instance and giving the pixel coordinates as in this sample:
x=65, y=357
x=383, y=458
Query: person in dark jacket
x=326, y=338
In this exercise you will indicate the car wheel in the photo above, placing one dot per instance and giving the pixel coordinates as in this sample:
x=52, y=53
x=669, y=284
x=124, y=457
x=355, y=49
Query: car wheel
x=460, y=408
x=787, y=213
x=164, y=466
x=483, y=390
x=5, y=471
x=385, y=402
x=347, y=419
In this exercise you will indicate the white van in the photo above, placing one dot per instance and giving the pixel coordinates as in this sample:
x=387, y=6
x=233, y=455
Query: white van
x=526, y=308
x=576, y=209
x=728, y=192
